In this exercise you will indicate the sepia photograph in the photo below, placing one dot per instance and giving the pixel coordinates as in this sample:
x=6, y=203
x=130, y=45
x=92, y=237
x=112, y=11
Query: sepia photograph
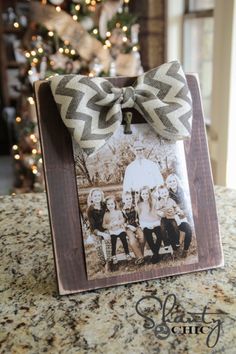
x=135, y=204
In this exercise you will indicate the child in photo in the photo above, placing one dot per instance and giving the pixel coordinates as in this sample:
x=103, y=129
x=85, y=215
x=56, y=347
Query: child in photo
x=95, y=212
x=133, y=230
x=156, y=198
x=168, y=210
x=175, y=190
x=177, y=194
x=150, y=222
x=114, y=222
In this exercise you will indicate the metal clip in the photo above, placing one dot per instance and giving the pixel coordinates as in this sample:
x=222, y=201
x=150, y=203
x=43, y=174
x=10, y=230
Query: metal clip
x=128, y=119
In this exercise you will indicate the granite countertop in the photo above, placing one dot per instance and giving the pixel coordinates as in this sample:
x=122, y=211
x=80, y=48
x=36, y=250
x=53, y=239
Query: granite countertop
x=35, y=319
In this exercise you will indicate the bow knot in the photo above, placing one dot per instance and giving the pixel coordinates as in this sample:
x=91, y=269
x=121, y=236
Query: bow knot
x=128, y=97
x=91, y=108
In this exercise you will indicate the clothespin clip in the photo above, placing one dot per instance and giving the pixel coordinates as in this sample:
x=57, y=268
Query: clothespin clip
x=128, y=119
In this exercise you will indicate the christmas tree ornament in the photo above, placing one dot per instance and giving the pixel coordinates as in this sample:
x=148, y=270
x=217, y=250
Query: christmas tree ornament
x=96, y=67
x=113, y=71
x=134, y=33
x=33, y=75
x=11, y=15
x=43, y=68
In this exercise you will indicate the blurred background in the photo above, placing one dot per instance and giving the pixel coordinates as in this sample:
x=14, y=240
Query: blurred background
x=111, y=38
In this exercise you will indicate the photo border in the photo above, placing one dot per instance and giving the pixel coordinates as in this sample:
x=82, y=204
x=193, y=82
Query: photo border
x=63, y=203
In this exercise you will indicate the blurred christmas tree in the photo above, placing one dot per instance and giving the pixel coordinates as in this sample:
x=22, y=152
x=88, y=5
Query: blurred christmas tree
x=88, y=37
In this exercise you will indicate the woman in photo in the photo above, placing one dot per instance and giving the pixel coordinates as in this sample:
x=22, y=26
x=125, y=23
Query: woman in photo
x=150, y=222
x=114, y=222
x=168, y=210
x=175, y=190
x=95, y=212
x=177, y=194
x=133, y=230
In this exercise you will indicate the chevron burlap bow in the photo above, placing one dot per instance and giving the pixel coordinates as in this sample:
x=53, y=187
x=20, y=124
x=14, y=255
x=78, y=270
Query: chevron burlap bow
x=91, y=108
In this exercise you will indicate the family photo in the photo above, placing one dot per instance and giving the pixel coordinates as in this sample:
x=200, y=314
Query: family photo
x=135, y=204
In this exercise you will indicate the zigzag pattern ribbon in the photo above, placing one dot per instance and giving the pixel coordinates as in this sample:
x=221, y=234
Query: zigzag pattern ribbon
x=91, y=108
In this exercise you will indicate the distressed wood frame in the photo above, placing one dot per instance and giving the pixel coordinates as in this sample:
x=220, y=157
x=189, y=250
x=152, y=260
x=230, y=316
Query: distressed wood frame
x=63, y=203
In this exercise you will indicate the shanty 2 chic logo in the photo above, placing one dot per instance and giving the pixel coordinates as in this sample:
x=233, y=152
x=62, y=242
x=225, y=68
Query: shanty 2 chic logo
x=175, y=320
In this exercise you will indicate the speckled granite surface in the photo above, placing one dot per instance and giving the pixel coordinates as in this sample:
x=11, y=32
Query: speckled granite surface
x=34, y=319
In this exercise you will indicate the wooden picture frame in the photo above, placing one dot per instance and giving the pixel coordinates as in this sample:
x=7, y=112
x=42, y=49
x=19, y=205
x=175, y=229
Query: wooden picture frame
x=63, y=203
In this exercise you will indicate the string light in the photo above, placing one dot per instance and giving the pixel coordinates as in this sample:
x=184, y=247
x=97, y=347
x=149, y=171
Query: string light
x=125, y=39
x=33, y=138
x=50, y=33
x=30, y=72
x=35, y=60
x=126, y=1
x=124, y=28
x=16, y=25
x=33, y=53
x=15, y=147
x=40, y=50
x=77, y=7
x=108, y=43
x=58, y=9
x=72, y=52
x=87, y=2
x=61, y=50
x=34, y=151
x=75, y=17
x=67, y=51
x=18, y=119
x=30, y=100
x=40, y=160
x=27, y=54
x=91, y=74
x=17, y=157
x=95, y=31
x=34, y=170
x=108, y=34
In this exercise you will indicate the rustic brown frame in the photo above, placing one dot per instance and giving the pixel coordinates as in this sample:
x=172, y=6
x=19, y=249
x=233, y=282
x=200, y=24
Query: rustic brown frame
x=63, y=197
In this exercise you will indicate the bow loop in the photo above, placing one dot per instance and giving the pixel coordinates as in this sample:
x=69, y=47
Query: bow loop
x=91, y=108
x=128, y=97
